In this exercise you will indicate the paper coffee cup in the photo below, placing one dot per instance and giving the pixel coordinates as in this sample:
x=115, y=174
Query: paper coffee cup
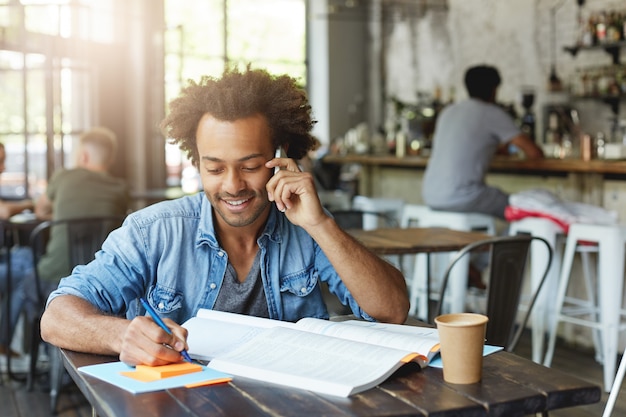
x=462, y=337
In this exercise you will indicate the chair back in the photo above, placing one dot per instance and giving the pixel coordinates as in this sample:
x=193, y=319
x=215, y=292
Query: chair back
x=357, y=219
x=507, y=266
x=84, y=238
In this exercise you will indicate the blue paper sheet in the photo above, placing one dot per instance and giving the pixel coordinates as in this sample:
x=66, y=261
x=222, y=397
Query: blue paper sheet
x=111, y=373
x=487, y=350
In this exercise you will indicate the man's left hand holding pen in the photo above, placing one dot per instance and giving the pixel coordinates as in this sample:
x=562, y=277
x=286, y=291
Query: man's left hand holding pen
x=146, y=342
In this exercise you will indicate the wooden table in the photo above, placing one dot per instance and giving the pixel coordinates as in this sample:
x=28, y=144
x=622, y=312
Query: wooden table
x=424, y=240
x=412, y=240
x=511, y=386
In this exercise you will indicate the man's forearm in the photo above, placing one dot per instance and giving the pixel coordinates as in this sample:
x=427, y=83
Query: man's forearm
x=377, y=286
x=72, y=323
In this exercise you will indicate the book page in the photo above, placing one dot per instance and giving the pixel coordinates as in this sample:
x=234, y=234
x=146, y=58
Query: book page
x=310, y=361
x=213, y=333
x=422, y=340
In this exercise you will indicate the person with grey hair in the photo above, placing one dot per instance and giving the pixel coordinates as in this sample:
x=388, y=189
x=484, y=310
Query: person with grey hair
x=88, y=190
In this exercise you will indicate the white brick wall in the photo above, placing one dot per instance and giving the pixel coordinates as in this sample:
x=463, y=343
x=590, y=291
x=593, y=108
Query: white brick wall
x=513, y=35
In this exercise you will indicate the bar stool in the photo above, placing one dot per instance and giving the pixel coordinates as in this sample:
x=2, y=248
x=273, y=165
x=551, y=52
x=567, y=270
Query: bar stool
x=544, y=306
x=604, y=312
x=419, y=286
x=390, y=206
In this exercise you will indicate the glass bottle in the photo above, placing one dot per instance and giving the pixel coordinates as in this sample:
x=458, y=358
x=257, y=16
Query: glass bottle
x=601, y=27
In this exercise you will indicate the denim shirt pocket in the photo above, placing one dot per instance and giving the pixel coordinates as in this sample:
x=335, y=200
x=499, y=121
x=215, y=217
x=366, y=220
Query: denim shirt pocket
x=165, y=301
x=300, y=284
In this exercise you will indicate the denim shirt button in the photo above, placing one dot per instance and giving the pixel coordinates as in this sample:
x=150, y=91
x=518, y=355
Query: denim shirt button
x=161, y=305
x=220, y=254
x=212, y=286
x=303, y=290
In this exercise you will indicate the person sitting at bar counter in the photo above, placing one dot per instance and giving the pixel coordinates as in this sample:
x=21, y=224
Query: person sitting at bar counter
x=467, y=136
x=256, y=241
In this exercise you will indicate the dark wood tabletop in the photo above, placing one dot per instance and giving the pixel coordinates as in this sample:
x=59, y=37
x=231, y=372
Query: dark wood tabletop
x=511, y=386
x=398, y=241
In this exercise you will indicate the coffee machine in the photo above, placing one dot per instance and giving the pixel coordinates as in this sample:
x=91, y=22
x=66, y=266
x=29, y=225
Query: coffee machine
x=528, y=120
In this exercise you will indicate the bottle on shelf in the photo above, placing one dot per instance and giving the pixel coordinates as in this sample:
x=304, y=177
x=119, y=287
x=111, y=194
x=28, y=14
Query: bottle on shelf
x=601, y=27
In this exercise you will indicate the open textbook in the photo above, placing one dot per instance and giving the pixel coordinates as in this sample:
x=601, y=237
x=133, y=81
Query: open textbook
x=336, y=358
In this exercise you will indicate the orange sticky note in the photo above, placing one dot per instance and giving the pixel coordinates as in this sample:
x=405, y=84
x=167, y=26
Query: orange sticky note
x=209, y=382
x=146, y=373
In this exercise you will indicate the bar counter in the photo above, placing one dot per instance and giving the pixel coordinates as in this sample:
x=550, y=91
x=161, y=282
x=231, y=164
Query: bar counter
x=499, y=164
x=598, y=181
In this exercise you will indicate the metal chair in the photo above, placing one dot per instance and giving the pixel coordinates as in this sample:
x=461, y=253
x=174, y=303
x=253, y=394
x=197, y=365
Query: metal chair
x=507, y=271
x=84, y=238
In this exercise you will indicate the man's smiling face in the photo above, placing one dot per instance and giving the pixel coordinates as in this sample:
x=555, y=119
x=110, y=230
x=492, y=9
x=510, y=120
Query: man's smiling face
x=232, y=167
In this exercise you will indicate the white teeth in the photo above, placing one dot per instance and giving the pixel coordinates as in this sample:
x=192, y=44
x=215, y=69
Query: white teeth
x=236, y=203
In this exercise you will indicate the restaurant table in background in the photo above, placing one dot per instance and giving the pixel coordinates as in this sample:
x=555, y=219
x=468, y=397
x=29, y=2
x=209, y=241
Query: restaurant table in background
x=511, y=386
x=412, y=240
x=416, y=240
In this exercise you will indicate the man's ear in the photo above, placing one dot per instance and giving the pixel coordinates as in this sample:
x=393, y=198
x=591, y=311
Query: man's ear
x=83, y=158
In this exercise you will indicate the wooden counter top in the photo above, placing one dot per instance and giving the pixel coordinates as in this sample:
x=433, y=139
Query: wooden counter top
x=499, y=164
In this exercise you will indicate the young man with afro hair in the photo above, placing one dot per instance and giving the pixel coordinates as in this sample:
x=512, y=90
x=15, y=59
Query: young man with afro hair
x=256, y=241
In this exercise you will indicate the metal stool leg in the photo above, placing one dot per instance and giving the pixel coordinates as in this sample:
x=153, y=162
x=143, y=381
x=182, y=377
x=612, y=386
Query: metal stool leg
x=617, y=383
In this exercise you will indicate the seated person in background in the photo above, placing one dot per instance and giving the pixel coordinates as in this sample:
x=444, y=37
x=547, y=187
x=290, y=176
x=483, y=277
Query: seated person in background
x=21, y=259
x=467, y=136
x=85, y=191
x=255, y=242
x=88, y=190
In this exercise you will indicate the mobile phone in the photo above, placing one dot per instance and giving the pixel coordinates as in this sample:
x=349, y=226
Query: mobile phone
x=280, y=153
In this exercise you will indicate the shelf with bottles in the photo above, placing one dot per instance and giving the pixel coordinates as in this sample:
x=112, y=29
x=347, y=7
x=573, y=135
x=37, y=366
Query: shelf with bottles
x=612, y=48
x=601, y=29
x=606, y=84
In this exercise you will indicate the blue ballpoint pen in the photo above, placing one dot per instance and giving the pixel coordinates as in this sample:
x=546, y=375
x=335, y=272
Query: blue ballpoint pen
x=158, y=321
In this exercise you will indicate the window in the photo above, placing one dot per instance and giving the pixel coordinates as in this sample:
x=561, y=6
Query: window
x=46, y=99
x=205, y=36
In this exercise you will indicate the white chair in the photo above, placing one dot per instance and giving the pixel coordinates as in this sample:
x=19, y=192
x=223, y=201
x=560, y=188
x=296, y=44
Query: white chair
x=413, y=215
x=544, y=309
x=601, y=310
x=423, y=216
x=392, y=207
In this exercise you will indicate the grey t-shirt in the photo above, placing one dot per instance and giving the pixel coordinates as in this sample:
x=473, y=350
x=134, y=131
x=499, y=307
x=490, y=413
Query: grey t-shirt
x=246, y=297
x=466, y=138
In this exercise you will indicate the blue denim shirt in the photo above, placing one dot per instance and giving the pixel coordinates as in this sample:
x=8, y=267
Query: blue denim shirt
x=169, y=254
